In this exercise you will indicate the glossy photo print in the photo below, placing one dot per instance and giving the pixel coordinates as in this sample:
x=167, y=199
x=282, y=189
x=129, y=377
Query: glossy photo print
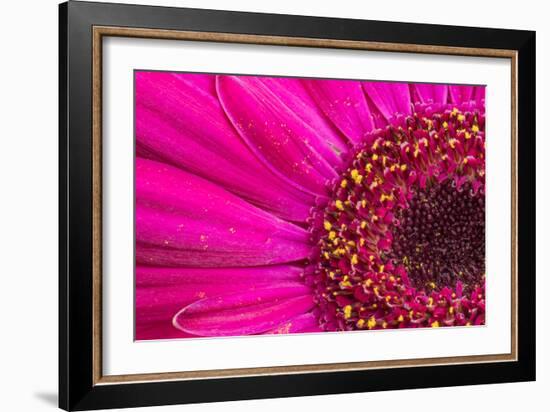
x=271, y=205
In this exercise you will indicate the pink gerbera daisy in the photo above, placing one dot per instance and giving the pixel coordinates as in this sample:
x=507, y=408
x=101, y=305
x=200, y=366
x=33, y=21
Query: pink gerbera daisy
x=278, y=205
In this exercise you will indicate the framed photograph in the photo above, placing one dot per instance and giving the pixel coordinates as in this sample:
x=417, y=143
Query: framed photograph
x=256, y=205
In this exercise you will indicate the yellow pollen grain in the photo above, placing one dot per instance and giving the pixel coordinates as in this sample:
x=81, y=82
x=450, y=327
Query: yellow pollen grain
x=445, y=125
x=392, y=278
x=400, y=318
x=374, y=157
x=326, y=255
x=339, y=205
x=430, y=301
x=475, y=128
x=371, y=258
x=354, y=259
x=331, y=275
x=327, y=225
x=368, y=282
x=388, y=298
x=371, y=322
x=403, y=168
x=461, y=117
x=451, y=310
x=364, y=202
x=465, y=161
x=361, y=242
x=432, y=285
x=368, y=167
x=343, y=184
x=363, y=224
x=384, y=324
x=392, y=168
x=435, y=324
x=467, y=136
x=347, y=311
x=345, y=284
x=361, y=323
x=455, y=111
x=452, y=143
x=332, y=235
x=354, y=173
x=358, y=179
x=381, y=269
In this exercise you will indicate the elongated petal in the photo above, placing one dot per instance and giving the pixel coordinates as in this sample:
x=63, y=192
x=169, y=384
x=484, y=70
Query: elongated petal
x=300, y=324
x=179, y=120
x=343, y=101
x=432, y=93
x=462, y=94
x=245, y=313
x=153, y=329
x=161, y=292
x=391, y=99
x=183, y=220
x=326, y=140
x=275, y=133
x=150, y=276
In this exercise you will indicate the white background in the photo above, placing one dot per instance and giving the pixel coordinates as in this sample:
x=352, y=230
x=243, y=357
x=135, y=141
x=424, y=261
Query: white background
x=124, y=356
x=28, y=218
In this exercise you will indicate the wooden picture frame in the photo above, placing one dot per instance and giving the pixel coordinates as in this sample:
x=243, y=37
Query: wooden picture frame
x=82, y=383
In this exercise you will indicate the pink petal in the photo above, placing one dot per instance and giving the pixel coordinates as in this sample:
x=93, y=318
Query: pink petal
x=150, y=276
x=300, y=324
x=152, y=329
x=179, y=120
x=431, y=93
x=275, y=133
x=183, y=220
x=327, y=140
x=162, y=292
x=343, y=101
x=391, y=99
x=462, y=94
x=245, y=313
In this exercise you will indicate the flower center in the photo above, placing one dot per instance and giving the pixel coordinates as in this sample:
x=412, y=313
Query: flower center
x=401, y=242
x=441, y=237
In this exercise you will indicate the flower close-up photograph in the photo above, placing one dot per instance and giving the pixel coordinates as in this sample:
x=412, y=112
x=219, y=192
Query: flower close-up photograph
x=215, y=206
x=281, y=205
